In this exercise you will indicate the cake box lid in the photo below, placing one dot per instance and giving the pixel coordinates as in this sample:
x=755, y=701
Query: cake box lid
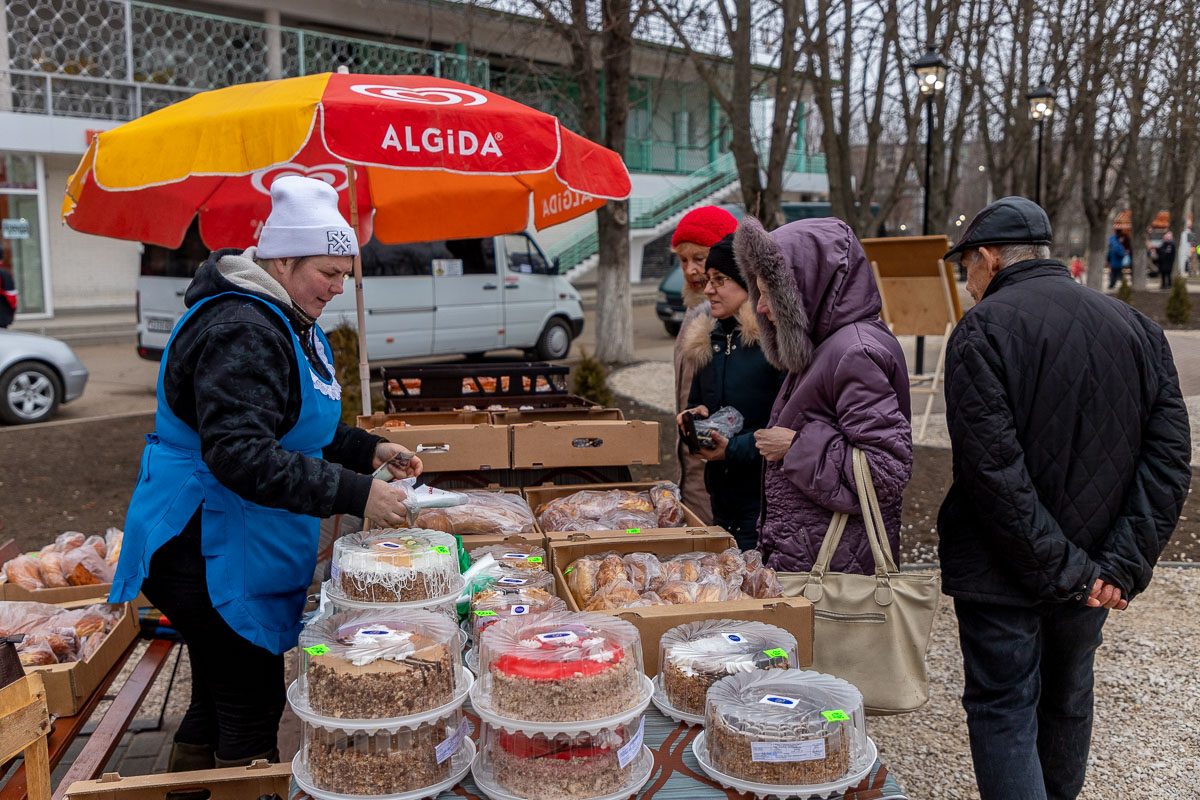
x=719, y=647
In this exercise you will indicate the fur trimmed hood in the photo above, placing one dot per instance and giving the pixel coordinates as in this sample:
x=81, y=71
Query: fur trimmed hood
x=818, y=279
x=696, y=347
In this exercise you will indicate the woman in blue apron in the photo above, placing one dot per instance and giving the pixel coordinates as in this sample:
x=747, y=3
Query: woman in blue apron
x=248, y=454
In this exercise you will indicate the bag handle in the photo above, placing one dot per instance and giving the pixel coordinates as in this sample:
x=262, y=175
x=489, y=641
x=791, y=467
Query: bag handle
x=873, y=523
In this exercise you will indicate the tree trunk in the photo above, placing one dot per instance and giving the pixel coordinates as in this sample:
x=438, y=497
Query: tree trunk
x=1097, y=250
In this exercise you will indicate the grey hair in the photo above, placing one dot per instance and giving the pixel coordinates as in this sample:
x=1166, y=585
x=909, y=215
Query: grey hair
x=1013, y=253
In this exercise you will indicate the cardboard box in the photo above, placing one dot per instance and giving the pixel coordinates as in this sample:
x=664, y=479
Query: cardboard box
x=236, y=783
x=793, y=614
x=472, y=541
x=97, y=593
x=511, y=417
x=68, y=686
x=418, y=418
x=454, y=447
x=584, y=443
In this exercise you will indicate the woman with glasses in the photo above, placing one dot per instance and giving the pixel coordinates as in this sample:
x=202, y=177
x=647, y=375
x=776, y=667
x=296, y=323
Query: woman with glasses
x=730, y=369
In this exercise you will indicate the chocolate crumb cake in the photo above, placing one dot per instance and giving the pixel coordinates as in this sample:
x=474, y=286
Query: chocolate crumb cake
x=372, y=665
x=378, y=763
x=696, y=655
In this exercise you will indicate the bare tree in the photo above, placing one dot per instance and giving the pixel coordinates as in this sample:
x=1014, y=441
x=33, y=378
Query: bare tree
x=1181, y=62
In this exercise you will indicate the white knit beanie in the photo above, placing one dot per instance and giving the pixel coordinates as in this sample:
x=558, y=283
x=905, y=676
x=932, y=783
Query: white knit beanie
x=305, y=221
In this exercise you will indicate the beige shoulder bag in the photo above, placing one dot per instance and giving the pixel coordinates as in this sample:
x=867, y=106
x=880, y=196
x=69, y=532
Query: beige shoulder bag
x=871, y=630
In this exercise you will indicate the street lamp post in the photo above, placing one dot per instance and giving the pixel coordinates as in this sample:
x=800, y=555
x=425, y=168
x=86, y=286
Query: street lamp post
x=1041, y=106
x=931, y=74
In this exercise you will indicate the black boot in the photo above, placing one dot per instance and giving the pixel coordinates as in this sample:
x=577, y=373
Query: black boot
x=188, y=757
x=271, y=756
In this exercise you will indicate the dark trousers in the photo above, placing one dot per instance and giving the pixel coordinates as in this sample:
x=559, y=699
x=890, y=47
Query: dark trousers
x=1028, y=696
x=1114, y=276
x=237, y=687
x=1164, y=277
x=744, y=530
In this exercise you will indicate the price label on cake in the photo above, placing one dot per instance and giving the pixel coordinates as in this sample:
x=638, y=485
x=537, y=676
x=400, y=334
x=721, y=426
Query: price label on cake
x=518, y=610
x=776, y=700
x=631, y=748
x=450, y=746
x=390, y=545
x=485, y=613
x=518, y=556
x=558, y=637
x=534, y=559
x=778, y=652
x=317, y=650
x=813, y=750
x=374, y=633
x=513, y=581
x=837, y=715
x=733, y=637
x=440, y=549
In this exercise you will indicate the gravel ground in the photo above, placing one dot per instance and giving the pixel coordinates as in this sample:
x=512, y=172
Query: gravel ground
x=1146, y=740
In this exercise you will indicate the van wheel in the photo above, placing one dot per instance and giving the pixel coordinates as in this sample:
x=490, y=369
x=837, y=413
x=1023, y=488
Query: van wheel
x=555, y=341
x=29, y=392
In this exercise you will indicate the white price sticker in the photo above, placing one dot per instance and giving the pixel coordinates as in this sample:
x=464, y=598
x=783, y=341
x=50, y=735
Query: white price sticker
x=516, y=556
x=733, y=637
x=813, y=750
x=776, y=700
x=513, y=581
x=634, y=746
x=558, y=637
x=519, y=610
x=451, y=745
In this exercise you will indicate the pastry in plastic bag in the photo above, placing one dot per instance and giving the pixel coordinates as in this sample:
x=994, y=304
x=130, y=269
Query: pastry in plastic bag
x=83, y=567
x=581, y=579
x=612, y=570
x=615, y=595
x=591, y=510
x=643, y=570
x=37, y=654
x=63, y=641
x=90, y=645
x=113, y=538
x=23, y=571
x=495, y=513
x=711, y=589
x=762, y=584
x=668, y=510
x=84, y=621
x=24, y=617
x=97, y=544
x=731, y=563
x=69, y=540
x=684, y=569
x=650, y=599
x=51, y=569
x=513, y=555
x=753, y=559
x=678, y=592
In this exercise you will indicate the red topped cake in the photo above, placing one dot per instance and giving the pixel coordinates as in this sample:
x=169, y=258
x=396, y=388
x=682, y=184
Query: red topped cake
x=561, y=667
x=565, y=765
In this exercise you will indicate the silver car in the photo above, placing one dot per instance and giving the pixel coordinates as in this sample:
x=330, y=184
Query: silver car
x=37, y=373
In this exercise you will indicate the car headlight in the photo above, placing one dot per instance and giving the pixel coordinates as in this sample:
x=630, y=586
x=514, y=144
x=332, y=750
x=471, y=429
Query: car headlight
x=662, y=297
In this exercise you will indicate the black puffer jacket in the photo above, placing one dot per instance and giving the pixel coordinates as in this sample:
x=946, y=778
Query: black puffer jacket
x=1071, y=443
x=232, y=376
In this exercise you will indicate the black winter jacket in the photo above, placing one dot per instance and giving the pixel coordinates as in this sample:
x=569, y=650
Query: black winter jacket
x=731, y=370
x=1071, y=443
x=232, y=376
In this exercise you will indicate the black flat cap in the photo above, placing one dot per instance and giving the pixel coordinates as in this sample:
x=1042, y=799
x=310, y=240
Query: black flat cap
x=1009, y=220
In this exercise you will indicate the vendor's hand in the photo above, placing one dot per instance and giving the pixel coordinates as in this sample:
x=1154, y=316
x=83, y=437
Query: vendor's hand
x=698, y=411
x=1106, y=595
x=385, y=505
x=717, y=451
x=774, y=443
x=386, y=451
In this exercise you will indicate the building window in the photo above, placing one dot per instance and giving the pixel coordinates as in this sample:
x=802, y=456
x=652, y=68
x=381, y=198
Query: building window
x=20, y=229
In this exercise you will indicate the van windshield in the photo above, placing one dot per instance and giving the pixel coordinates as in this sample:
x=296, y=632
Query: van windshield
x=182, y=262
x=452, y=256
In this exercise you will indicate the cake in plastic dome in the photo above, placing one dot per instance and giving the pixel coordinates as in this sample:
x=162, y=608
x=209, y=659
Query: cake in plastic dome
x=785, y=727
x=562, y=667
x=402, y=565
x=372, y=664
x=571, y=766
x=696, y=655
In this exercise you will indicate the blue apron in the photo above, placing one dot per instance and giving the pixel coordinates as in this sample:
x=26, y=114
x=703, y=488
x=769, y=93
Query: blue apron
x=259, y=560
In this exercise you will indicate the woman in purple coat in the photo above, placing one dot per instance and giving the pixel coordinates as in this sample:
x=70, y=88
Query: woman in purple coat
x=846, y=387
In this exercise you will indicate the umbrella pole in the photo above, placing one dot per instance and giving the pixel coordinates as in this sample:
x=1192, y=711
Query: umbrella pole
x=364, y=371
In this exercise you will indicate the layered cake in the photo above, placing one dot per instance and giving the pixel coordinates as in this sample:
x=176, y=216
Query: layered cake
x=372, y=665
x=550, y=767
x=562, y=667
x=380, y=763
x=785, y=727
x=390, y=566
x=492, y=605
x=517, y=555
x=696, y=655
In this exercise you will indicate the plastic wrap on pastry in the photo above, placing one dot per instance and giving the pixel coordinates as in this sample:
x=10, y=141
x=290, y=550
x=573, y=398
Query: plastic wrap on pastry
x=495, y=513
x=753, y=559
x=23, y=571
x=24, y=617
x=51, y=569
x=709, y=589
x=113, y=537
x=591, y=510
x=668, y=509
x=643, y=570
x=581, y=579
x=615, y=595
x=681, y=569
x=97, y=543
x=69, y=540
x=651, y=599
x=90, y=645
x=490, y=606
x=62, y=641
x=514, y=555
x=762, y=584
x=612, y=570
x=83, y=567
x=36, y=654
x=85, y=621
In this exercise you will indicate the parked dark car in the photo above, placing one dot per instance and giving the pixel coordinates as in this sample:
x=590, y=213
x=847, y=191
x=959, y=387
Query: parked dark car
x=669, y=305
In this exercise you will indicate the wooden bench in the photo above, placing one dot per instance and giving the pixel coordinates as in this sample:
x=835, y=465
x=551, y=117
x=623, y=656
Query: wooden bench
x=24, y=724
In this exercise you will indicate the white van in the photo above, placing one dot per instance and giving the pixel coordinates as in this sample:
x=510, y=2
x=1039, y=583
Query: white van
x=439, y=298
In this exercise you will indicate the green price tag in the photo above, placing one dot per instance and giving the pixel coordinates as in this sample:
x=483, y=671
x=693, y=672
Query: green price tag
x=317, y=650
x=568, y=571
x=778, y=652
x=442, y=550
x=534, y=559
x=633, y=530
x=835, y=716
x=485, y=613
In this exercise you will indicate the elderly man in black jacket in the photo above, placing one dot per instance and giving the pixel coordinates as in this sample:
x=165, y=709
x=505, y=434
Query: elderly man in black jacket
x=1071, y=464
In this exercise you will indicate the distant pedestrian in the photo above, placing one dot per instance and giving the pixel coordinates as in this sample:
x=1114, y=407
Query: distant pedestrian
x=8, y=297
x=1071, y=446
x=1077, y=269
x=1164, y=259
x=1118, y=259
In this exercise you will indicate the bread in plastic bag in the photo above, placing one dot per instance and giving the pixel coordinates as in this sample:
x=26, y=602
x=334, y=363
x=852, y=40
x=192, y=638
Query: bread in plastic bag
x=614, y=595
x=581, y=579
x=36, y=654
x=495, y=513
x=612, y=570
x=668, y=508
x=643, y=570
x=23, y=571
x=591, y=510
x=513, y=555
x=727, y=421
x=113, y=537
x=83, y=567
x=51, y=569
x=69, y=540
x=97, y=543
x=762, y=584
